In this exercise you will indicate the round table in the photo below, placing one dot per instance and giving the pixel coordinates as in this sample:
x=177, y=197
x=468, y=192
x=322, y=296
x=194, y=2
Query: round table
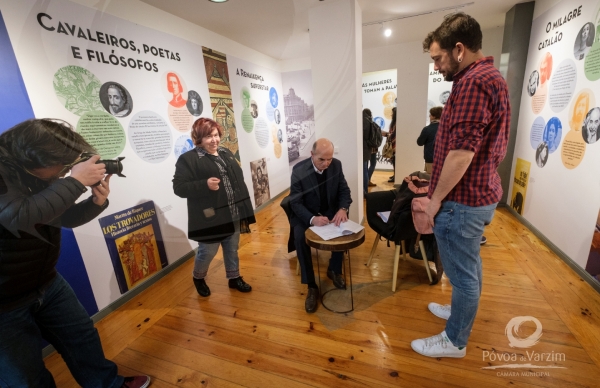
x=343, y=244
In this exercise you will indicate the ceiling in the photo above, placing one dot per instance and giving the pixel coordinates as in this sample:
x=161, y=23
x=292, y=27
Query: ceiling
x=279, y=28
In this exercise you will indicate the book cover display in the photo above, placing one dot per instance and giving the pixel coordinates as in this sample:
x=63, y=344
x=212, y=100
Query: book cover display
x=135, y=244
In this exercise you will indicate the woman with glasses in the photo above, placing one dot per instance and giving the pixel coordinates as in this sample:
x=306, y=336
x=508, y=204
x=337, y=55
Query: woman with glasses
x=219, y=206
x=35, y=301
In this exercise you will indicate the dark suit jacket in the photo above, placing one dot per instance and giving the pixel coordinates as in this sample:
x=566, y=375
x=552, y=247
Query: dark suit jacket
x=305, y=199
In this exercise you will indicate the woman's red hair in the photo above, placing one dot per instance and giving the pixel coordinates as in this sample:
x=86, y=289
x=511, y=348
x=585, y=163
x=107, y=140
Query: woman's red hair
x=204, y=127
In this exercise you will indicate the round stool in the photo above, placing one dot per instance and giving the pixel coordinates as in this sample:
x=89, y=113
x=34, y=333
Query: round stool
x=343, y=244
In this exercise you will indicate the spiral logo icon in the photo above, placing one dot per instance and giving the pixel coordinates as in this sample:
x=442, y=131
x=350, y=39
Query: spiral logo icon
x=512, y=332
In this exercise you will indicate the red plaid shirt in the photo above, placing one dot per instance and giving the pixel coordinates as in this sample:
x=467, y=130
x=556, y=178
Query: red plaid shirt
x=476, y=118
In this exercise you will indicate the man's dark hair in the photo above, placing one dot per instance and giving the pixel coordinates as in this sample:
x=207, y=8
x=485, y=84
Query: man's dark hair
x=367, y=113
x=456, y=28
x=436, y=112
x=121, y=91
x=39, y=143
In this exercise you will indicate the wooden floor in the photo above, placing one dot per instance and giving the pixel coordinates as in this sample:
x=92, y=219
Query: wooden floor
x=266, y=339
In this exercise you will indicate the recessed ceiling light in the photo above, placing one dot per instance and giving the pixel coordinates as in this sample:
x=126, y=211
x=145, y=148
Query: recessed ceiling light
x=387, y=32
x=217, y=1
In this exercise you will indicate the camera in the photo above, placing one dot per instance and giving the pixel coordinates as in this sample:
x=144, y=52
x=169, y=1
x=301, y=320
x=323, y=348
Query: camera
x=113, y=166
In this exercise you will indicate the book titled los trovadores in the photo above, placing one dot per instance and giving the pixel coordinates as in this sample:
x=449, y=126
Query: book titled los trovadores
x=135, y=244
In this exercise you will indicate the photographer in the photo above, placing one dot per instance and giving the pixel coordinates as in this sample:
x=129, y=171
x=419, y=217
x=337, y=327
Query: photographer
x=35, y=301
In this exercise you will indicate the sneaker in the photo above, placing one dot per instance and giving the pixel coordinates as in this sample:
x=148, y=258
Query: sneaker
x=136, y=382
x=483, y=240
x=440, y=310
x=437, y=346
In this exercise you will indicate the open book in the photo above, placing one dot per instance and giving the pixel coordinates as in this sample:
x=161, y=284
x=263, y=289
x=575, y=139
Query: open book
x=330, y=231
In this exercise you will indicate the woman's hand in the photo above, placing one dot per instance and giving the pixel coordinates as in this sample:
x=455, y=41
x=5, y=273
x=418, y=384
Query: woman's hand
x=213, y=183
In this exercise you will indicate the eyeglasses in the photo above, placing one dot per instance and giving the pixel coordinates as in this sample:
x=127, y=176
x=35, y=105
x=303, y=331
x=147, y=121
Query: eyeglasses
x=65, y=168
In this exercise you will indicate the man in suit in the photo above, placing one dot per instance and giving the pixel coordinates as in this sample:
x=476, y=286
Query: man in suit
x=319, y=195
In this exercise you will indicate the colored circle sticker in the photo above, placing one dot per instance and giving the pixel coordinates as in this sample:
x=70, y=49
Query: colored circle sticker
x=270, y=111
x=150, y=137
x=180, y=118
x=572, y=150
x=538, y=101
x=562, y=86
x=261, y=132
x=553, y=134
x=247, y=120
x=580, y=105
x=77, y=90
x=537, y=132
x=103, y=132
x=182, y=145
x=591, y=65
x=273, y=98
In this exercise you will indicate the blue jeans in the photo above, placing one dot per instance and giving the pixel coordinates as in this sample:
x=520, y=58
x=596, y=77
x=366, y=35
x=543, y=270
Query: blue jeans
x=372, y=164
x=207, y=252
x=58, y=317
x=458, y=230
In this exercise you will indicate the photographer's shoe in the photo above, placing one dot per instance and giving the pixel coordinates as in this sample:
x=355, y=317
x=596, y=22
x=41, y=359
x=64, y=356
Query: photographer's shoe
x=240, y=285
x=201, y=287
x=136, y=382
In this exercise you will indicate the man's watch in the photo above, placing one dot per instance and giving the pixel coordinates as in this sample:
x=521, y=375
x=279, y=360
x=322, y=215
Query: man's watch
x=344, y=209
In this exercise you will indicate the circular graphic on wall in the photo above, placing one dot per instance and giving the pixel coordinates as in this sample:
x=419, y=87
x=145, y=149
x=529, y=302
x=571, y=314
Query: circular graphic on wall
x=180, y=118
x=194, y=103
x=538, y=101
x=174, y=90
x=541, y=154
x=115, y=99
x=572, y=149
x=103, y=132
x=277, y=116
x=77, y=90
x=150, y=137
x=273, y=97
x=270, y=111
x=533, y=83
x=553, y=134
x=545, y=68
x=580, y=106
x=444, y=97
x=183, y=144
x=279, y=135
x=583, y=41
x=589, y=131
x=379, y=121
x=253, y=109
x=562, y=86
x=537, y=132
x=261, y=132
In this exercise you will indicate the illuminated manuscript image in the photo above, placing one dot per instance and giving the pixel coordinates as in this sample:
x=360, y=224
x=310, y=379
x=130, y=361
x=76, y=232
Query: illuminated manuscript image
x=139, y=255
x=221, y=103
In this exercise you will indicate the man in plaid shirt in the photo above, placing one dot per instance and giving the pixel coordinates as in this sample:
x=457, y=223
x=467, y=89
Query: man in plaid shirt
x=465, y=187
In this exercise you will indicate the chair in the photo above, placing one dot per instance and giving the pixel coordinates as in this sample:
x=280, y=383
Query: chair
x=381, y=201
x=287, y=208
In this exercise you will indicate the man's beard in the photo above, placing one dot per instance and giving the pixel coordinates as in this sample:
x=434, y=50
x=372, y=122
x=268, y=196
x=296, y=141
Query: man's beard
x=453, y=69
x=116, y=108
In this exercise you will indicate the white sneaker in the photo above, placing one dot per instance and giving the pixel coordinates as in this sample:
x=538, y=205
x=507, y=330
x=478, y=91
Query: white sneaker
x=440, y=310
x=437, y=346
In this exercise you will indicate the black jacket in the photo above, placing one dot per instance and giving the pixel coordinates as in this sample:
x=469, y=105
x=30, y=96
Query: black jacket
x=209, y=217
x=305, y=199
x=31, y=215
x=427, y=138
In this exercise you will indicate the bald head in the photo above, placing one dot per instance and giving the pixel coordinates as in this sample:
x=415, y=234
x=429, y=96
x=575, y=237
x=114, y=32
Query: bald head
x=322, y=153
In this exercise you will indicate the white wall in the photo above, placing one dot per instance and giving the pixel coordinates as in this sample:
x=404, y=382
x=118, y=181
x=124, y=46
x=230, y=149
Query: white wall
x=149, y=16
x=413, y=66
